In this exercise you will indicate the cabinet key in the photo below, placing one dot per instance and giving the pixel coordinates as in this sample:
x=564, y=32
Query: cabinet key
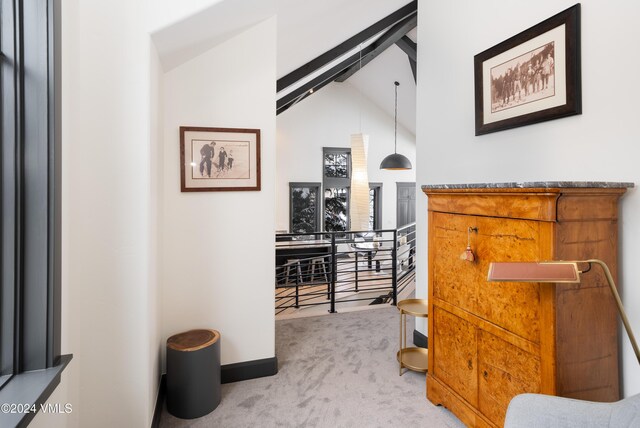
x=470, y=365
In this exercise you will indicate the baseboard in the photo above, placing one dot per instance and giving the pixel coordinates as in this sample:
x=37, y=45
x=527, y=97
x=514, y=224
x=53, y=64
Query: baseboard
x=420, y=340
x=249, y=370
x=162, y=391
x=228, y=373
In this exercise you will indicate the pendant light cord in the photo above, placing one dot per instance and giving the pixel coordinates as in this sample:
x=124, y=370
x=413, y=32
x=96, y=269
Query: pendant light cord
x=360, y=99
x=395, y=121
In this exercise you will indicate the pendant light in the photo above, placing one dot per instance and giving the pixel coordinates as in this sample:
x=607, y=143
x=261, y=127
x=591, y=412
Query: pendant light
x=396, y=161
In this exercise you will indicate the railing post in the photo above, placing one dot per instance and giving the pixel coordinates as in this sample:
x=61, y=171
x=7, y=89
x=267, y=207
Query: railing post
x=356, y=265
x=394, y=267
x=297, y=289
x=334, y=273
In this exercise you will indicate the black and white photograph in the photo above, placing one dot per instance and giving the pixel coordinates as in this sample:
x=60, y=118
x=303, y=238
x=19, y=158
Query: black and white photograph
x=531, y=77
x=525, y=79
x=218, y=159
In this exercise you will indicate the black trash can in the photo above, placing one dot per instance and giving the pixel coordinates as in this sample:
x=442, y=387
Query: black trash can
x=193, y=373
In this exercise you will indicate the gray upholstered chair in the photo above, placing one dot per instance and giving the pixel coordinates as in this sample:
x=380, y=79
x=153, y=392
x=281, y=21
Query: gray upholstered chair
x=541, y=411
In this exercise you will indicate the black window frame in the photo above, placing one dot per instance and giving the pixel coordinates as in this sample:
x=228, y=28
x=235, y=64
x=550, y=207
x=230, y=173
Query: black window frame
x=329, y=182
x=30, y=204
x=318, y=207
x=377, y=213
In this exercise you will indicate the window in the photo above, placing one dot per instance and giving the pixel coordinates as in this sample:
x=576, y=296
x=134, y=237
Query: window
x=337, y=163
x=336, y=209
x=375, y=206
x=304, y=207
x=29, y=201
x=336, y=166
x=336, y=180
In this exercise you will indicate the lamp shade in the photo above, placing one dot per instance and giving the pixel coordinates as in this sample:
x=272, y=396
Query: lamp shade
x=359, y=203
x=395, y=161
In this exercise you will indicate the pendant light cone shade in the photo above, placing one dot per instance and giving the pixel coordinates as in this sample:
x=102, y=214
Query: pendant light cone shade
x=396, y=161
x=359, y=204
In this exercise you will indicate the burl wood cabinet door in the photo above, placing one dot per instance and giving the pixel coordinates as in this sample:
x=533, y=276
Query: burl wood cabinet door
x=512, y=306
x=454, y=353
x=504, y=372
x=454, y=280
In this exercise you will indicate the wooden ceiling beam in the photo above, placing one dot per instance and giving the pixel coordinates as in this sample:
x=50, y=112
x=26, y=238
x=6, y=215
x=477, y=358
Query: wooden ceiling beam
x=346, y=46
x=319, y=82
x=409, y=47
x=385, y=41
x=414, y=69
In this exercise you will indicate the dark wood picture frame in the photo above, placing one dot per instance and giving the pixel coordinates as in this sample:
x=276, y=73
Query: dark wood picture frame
x=204, y=169
x=522, y=58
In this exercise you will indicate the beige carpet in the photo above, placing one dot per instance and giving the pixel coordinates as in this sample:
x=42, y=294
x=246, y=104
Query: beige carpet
x=337, y=370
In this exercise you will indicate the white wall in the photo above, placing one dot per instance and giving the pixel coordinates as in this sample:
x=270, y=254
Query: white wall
x=156, y=128
x=167, y=12
x=600, y=144
x=218, y=253
x=327, y=119
x=110, y=296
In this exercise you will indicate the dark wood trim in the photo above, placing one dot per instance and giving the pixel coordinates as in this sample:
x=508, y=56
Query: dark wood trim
x=409, y=47
x=249, y=370
x=160, y=399
x=346, y=46
x=414, y=70
x=385, y=41
x=420, y=340
x=319, y=82
x=229, y=373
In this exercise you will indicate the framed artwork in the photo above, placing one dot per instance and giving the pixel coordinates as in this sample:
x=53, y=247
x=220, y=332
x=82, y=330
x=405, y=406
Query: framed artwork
x=219, y=159
x=532, y=77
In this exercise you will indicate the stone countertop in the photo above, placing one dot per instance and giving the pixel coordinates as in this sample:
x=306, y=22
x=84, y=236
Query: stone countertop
x=534, y=185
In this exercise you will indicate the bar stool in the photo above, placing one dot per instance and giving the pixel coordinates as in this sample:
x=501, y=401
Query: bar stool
x=293, y=264
x=318, y=267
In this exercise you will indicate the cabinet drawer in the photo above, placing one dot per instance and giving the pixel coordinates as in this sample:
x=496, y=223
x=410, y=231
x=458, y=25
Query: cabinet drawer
x=504, y=372
x=454, y=354
x=514, y=307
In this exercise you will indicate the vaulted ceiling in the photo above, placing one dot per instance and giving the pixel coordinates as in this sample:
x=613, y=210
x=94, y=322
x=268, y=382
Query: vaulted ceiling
x=384, y=47
x=306, y=30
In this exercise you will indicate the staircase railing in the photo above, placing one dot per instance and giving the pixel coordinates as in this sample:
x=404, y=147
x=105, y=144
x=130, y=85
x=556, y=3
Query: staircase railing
x=339, y=268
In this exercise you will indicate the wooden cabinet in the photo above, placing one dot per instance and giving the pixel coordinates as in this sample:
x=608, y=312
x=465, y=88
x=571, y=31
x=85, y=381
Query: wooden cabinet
x=491, y=341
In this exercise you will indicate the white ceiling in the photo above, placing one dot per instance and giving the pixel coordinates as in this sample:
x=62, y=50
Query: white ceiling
x=305, y=31
x=375, y=81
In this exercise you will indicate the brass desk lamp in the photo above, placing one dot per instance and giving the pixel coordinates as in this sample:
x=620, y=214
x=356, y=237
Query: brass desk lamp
x=558, y=272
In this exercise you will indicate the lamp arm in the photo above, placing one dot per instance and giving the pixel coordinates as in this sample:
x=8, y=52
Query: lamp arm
x=621, y=311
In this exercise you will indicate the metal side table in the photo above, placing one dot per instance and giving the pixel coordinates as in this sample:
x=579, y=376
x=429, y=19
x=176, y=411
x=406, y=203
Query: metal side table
x=412, y=358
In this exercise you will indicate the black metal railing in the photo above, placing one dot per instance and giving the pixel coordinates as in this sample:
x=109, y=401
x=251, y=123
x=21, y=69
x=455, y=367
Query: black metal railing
x=333, y=268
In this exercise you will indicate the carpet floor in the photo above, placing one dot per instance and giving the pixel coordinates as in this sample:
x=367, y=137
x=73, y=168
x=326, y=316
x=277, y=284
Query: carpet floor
x=337, y=370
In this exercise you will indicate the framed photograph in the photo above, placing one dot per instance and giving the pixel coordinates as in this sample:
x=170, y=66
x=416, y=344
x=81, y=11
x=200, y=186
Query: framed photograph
x=219, y=159
x=532, y=77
